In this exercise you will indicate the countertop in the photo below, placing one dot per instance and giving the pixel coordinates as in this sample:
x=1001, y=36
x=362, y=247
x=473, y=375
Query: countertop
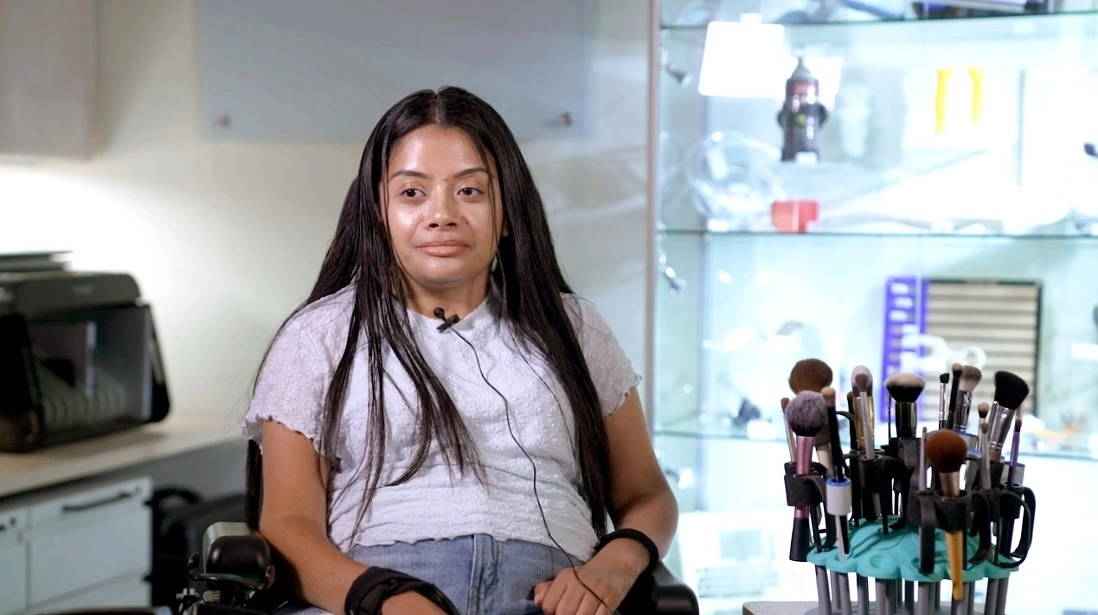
x=809, y=608
x=179, y=433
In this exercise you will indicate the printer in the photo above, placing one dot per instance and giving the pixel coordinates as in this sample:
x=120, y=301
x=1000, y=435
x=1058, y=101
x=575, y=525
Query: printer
x=78, y=358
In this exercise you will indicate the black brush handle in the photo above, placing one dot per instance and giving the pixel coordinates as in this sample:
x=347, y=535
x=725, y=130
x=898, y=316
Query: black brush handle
x=838, y=469
x=926, y=550
x=800, y=539
x=951, y=411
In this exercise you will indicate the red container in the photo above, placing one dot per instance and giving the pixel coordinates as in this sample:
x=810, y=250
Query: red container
x=794, y=215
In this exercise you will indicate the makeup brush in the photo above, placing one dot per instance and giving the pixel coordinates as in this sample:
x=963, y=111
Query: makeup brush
x=943, y=380
x=806, y=415
x=926, y=537
x=838, y=485
x=1010, y=392
x=788, y=432
x=1014, y=444
x=862, y=380
x=982, y=409
x=857, y=442
x=809, y=375
x=970, y=377
x=838, y=468
x=905, y=390
x=978, y=455
x=951, y=412
x=813, y=375
x=946, y=451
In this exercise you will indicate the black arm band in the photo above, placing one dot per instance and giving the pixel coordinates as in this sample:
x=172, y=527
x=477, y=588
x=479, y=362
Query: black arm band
x=372, y=587
x=639, y=536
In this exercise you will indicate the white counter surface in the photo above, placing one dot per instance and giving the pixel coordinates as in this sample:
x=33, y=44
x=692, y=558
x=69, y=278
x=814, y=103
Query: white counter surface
x=179, y=433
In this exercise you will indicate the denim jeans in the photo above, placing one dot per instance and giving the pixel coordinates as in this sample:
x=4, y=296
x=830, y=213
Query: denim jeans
x=480, y=575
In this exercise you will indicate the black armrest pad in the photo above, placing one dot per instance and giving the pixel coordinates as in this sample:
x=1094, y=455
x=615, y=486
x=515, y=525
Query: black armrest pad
x=235, y=549
x=660, y=593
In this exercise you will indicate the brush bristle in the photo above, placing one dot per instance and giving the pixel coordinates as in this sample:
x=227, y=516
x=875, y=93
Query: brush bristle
x=829, y=396
x=970, y=377
x=806, y=413
x=809, y=375
x=945, y=450
x=956, y=368
x=904, y=387
x=983, y=408
x=943, y=379
x=1010, y=390
x=862, y=379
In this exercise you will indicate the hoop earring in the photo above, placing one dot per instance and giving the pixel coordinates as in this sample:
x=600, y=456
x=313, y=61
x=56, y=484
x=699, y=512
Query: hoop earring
x=495, y=262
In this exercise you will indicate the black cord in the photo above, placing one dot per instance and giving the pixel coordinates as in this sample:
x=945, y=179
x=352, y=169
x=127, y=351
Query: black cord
x=533, y=466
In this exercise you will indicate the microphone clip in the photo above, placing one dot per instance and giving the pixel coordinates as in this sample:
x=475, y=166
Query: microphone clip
x=446, y=322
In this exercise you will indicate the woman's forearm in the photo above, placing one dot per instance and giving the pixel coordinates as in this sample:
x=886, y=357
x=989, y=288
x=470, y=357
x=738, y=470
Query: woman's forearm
x=321, y=574
x=656, y=515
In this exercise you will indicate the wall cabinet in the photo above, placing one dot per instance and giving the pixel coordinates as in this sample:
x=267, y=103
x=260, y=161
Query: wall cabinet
x=305, y=71
x=47, y=78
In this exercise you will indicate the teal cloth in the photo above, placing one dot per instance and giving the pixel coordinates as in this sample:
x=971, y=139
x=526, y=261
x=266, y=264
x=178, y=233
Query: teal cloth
x=896, y=556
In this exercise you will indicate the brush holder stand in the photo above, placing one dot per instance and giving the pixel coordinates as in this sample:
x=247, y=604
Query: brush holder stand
x=1000, y=470
x=809, y=491
x=876, y=477
x=967, y=513
x=1008, y=505
x=906, y=450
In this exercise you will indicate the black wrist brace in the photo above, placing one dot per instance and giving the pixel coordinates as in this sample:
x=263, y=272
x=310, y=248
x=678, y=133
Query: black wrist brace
x=372, y=587
x=639, y=536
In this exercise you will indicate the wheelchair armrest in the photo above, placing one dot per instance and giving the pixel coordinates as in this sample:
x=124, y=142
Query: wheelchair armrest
x=235, y=550
x=660, y=593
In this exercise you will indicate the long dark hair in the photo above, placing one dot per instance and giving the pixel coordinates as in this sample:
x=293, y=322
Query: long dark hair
x=361, y=255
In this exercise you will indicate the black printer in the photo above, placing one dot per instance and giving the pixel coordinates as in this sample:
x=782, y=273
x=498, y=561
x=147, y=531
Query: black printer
x=78, y=358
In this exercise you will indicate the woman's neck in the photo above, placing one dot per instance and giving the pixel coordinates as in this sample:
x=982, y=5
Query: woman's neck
x=453, y=302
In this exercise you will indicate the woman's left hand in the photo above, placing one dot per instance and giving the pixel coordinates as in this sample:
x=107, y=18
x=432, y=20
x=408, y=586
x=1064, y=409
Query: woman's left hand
x=594, y=588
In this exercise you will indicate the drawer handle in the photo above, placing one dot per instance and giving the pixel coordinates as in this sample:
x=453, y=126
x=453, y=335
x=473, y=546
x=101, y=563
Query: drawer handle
x=118, y=497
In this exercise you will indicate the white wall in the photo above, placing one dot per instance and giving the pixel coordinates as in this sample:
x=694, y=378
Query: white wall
x=225, y=238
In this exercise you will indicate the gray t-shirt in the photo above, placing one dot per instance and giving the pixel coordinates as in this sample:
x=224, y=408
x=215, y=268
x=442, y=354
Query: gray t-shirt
x=439, y=503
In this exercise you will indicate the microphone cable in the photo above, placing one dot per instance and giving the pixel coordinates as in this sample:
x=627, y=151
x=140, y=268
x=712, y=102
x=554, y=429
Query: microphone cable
x=448, y=323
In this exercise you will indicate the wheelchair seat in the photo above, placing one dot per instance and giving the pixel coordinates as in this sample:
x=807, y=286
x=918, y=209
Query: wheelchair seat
x=236, y=565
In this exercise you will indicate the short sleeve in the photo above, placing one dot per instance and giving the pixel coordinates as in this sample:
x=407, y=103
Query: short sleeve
x=610, y=368
x=292, y=385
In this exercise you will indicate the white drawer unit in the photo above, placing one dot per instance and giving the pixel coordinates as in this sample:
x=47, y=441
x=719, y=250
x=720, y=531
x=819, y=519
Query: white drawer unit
x=13, y=560
x=82, y=545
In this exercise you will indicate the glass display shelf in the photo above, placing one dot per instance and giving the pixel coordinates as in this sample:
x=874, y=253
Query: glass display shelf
x=930, y=125
x=947, y=212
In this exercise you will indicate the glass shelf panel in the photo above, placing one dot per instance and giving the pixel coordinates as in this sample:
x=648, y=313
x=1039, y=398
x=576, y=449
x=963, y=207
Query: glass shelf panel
x=736, y=311
x=906, y=148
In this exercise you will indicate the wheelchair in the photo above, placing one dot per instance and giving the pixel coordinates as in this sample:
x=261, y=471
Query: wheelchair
x=236, y=565
x=239, y=571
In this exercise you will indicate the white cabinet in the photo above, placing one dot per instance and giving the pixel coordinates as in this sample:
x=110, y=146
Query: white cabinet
x=13, y=560
x=47, y=78
x=83, y=546
x=302, y=70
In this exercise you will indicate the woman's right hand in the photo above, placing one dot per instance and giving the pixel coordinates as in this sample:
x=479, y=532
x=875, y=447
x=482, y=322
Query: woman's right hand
x=410, y=603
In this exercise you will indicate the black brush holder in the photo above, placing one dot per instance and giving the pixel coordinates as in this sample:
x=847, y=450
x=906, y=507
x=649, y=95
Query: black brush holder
x=968, y=513
x=807, y=491
x=1010, y=505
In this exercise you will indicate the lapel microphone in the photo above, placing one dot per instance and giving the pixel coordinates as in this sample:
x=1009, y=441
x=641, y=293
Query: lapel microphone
x=446, y=322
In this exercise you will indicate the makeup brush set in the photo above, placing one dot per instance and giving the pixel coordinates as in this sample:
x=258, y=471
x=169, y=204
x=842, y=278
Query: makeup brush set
x=877, y=513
